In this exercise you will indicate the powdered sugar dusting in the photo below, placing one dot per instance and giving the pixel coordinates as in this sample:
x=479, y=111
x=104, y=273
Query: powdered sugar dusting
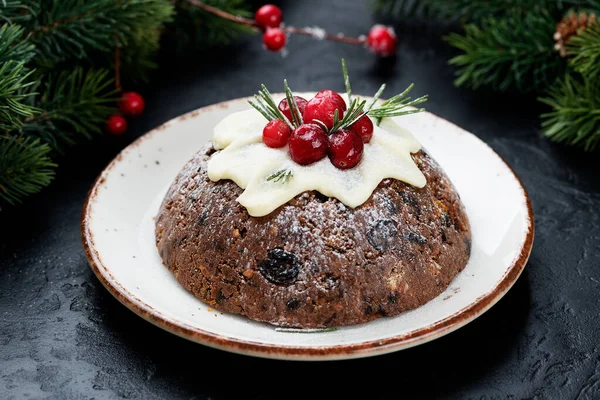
x=316, y=32
x=245, y=160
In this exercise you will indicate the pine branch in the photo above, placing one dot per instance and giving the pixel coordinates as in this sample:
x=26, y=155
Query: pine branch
x=585, y=49
x=14, y=81
x=19, y=11
x=138, y=58
x=24, y=167
x=193, y=27
x=473, y=11
x=75, y=29
x=575, y=115
x=12, y=45
x=513, y=52
x=74, y=104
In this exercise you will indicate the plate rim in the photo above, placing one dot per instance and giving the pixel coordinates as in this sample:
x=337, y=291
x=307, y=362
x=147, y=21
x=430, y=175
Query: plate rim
x=307, y=353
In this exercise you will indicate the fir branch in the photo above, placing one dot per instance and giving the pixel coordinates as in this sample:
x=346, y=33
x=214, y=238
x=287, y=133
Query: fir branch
x=195, y=27
x=24, y=167
x=283, y=175
x=575, y=115
x=14, y=81
x=73, y=29
x=19, y=11
x=473, y=11
x=12, y=45
x=585, y=49
x=74, y=104
x=514, y=52
x=138, y=58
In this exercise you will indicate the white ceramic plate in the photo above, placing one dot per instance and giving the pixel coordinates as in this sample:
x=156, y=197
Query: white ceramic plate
x=118, y=236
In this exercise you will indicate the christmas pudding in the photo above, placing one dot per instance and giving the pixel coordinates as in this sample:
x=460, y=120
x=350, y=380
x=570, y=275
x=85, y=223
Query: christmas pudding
x=327, y=214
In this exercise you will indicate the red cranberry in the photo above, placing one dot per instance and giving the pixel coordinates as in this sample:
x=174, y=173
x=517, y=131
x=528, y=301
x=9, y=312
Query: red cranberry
x=364, y=128
x=116, y=125
x=285, y=108
x=323, y=109
x=268, y=16
x=330, y=94
x=276, y=133
x=131, y=104
x=308, y=144
x=382, y=40
x=345, y=148
x=274, y=39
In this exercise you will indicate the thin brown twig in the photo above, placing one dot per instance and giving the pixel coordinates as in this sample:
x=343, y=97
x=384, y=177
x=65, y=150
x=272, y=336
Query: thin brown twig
x=290, y=29
x=328, y=36
x=118, y=69
x=223, y=14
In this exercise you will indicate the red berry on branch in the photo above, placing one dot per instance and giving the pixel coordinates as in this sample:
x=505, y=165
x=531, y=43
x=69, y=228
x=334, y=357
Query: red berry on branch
x=268, y=16
x=364, y=128
x=284, y=107
x=276, y=133
x=345, y=149
x=116, y=125
x=330, y=94
x=382, y=40
x=323, y=109
x=132, y=104
x=274, y=39
x=308, y=144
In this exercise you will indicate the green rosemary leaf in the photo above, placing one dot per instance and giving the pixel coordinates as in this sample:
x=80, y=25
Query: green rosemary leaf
x=396, y=106
x=265, y=104
x=336, y=117
x=283, y=175
x=376, y=97
x=295, y=330
x=346, y=80
x=294, y=110
x=261, y=110
x=321, y=124
x=354, y=112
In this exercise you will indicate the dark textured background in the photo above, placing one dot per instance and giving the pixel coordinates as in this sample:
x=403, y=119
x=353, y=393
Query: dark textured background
x=63, y=336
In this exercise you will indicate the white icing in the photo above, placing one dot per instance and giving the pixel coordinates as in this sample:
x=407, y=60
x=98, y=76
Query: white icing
x=248, y=162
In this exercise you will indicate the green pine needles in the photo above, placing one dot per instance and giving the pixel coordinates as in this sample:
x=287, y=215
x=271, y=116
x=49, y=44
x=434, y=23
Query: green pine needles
x=509, y=45
x=515, y=52
x=25, y=167
x=57, y=69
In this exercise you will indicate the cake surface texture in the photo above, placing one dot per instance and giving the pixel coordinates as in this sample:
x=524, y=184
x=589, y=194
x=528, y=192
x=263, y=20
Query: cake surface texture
x=314, y=262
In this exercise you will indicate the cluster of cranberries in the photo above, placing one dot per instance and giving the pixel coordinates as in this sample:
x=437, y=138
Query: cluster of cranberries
x=381, y=39
x=309, y=142
x=268, y=18
x=131, y=105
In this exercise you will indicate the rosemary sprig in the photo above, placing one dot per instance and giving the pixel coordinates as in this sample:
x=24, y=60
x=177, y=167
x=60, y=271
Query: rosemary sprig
x=395, y=106
x=265, y=105
x=354, y=112
x=296, y=330
x=283, y=175
x=346, y=80
x=294, y=110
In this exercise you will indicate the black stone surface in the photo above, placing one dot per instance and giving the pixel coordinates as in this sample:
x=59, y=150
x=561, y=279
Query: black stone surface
x=63, y=336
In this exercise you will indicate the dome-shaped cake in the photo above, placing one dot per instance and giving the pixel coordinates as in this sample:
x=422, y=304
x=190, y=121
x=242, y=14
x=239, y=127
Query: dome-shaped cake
x=313, y=262
x=328, y=214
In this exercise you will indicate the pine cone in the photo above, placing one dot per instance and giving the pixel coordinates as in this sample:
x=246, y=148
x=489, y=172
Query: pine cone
x=569, y=26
